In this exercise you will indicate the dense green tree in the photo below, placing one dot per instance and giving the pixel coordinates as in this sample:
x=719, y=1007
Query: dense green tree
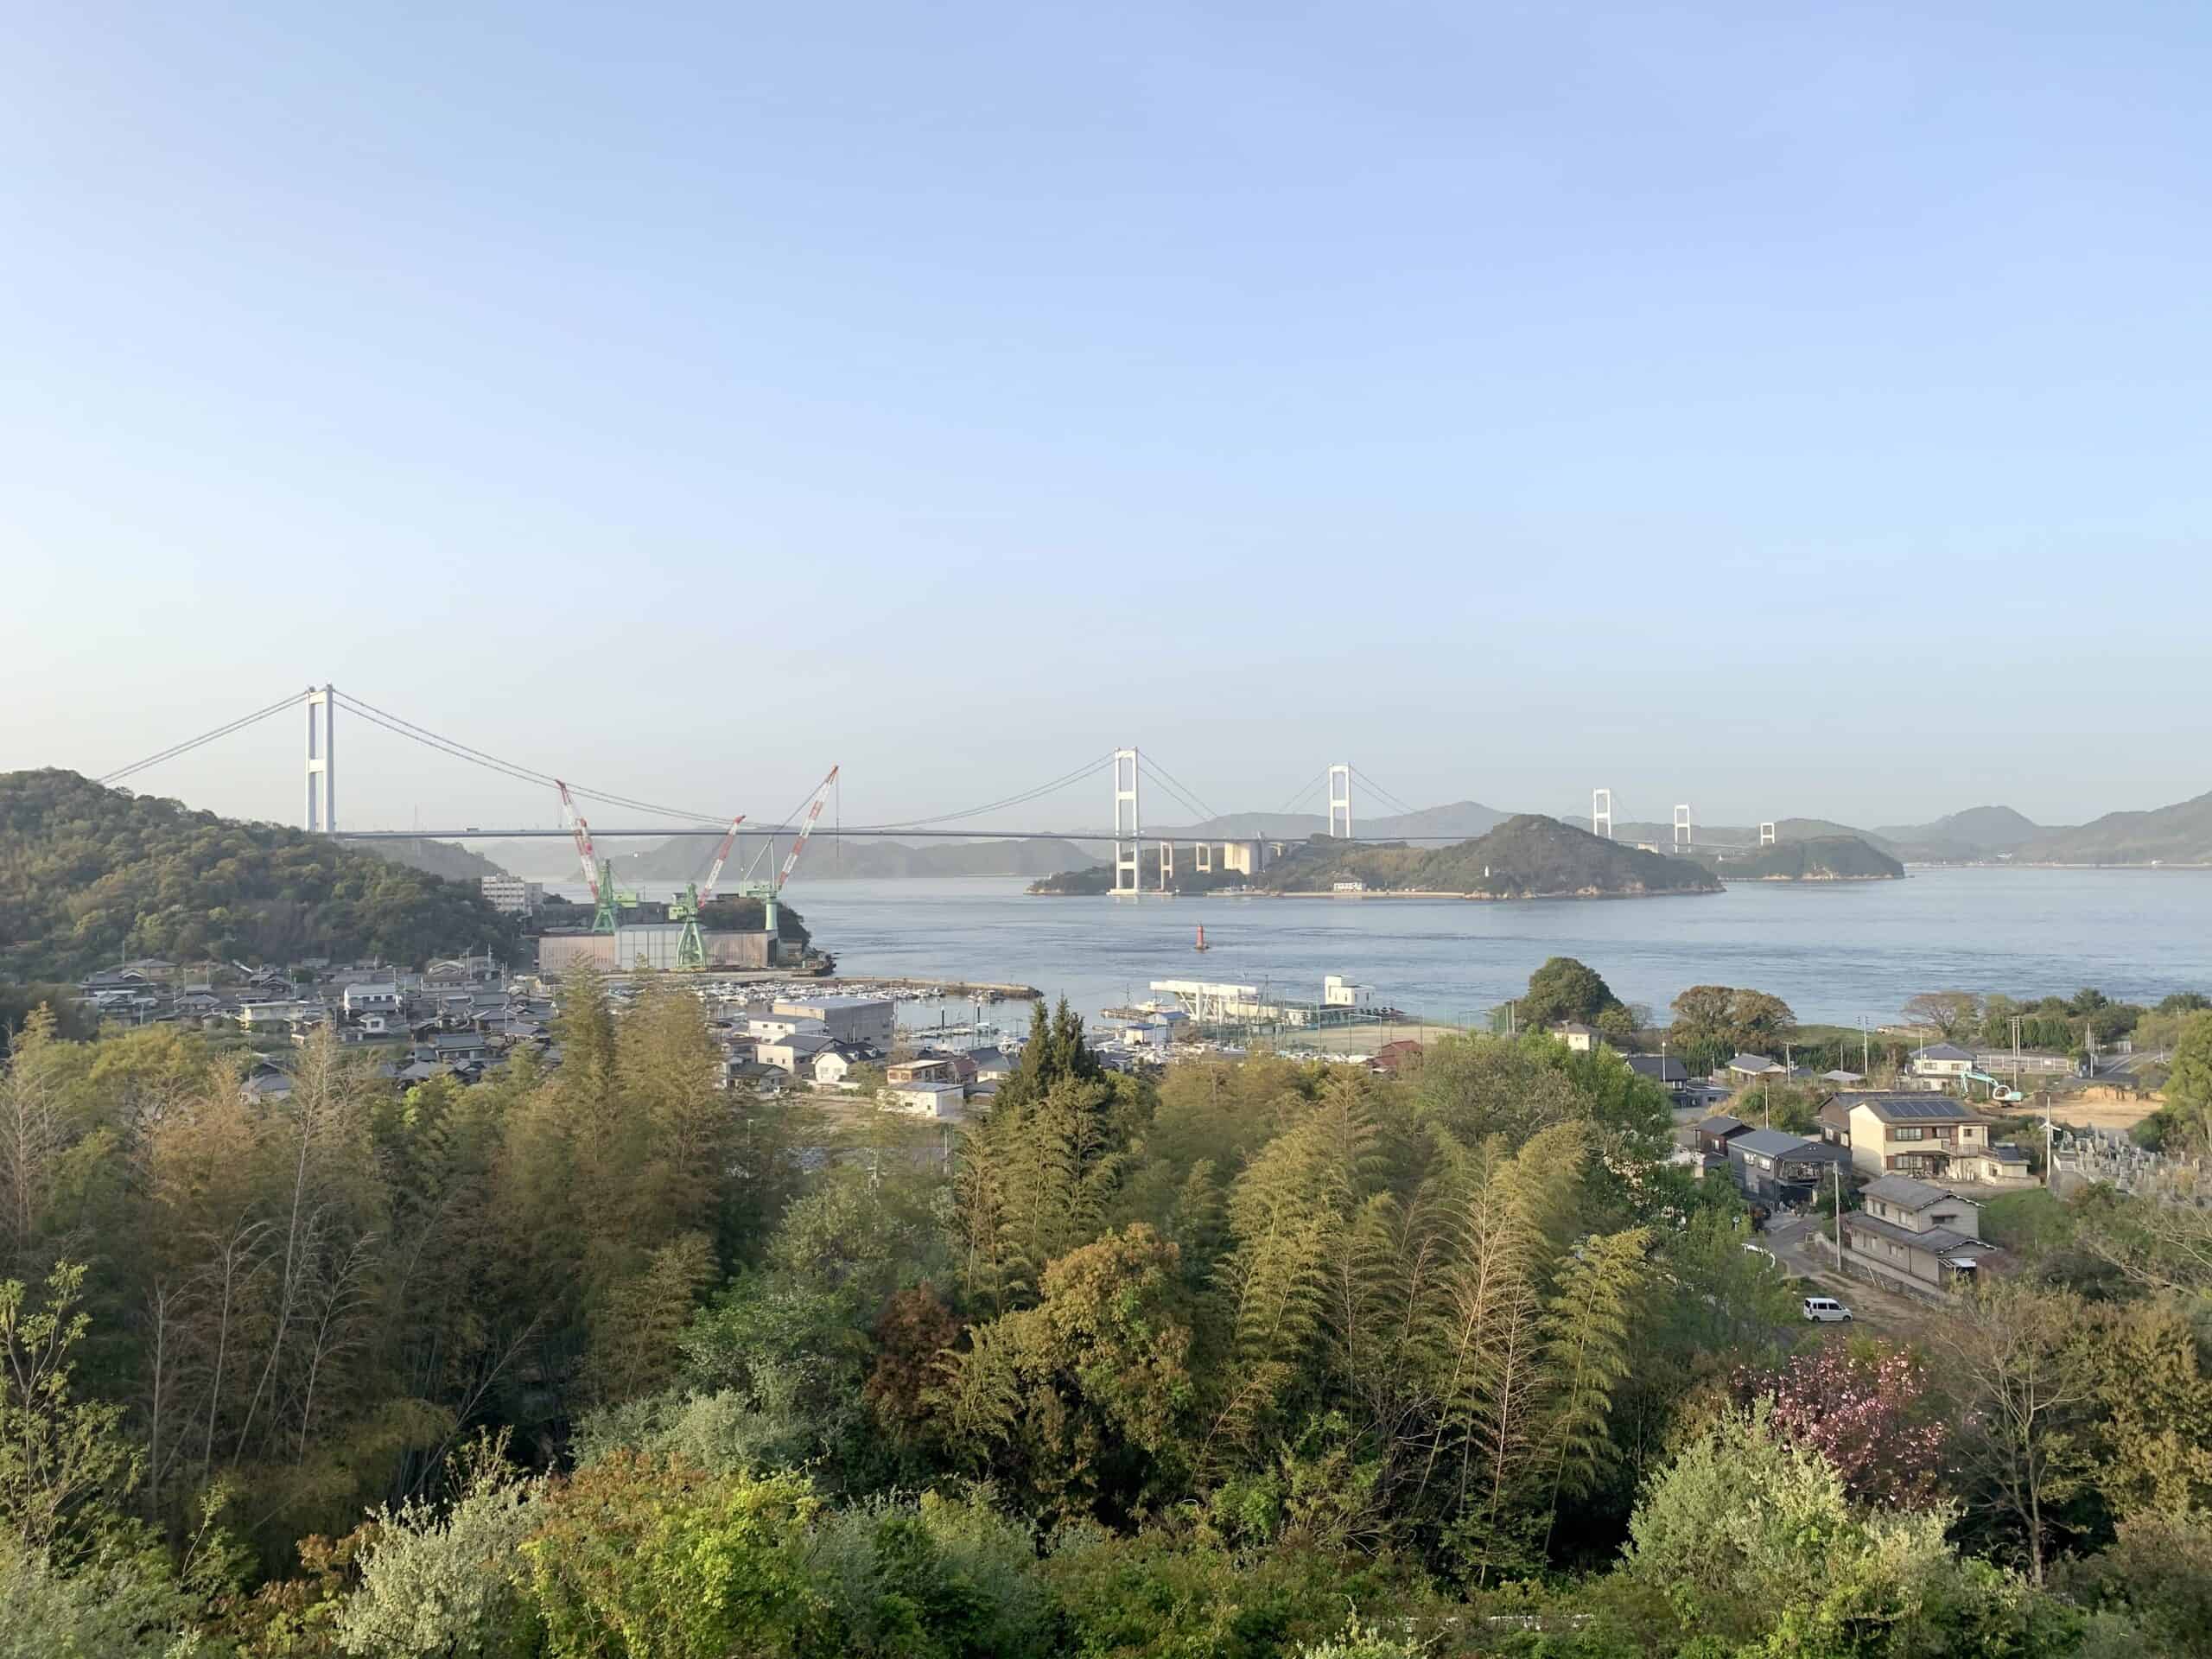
x=96, y=875
x=1564, y=989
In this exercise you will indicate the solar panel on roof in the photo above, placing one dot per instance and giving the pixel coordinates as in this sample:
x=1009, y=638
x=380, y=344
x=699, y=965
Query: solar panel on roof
x=1921, y=1109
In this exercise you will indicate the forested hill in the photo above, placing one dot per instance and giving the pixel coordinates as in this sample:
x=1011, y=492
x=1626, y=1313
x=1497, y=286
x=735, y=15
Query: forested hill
x=90, y=876
x=1823, y=858
x=439, y=858
x=2180, y=833
x=1526, y=857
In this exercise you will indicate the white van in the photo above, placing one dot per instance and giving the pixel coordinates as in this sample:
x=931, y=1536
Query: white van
x=1825, y=1309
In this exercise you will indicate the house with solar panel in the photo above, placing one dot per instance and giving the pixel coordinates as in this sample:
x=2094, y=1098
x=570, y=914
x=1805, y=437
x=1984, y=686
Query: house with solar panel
x=1920, y=1235
x=1920, y=1135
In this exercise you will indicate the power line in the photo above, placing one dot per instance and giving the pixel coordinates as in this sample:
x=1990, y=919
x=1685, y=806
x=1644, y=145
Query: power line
x=191, y=743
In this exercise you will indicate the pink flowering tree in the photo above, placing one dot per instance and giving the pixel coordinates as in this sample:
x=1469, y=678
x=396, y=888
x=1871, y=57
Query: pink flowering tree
x=1861, y=1408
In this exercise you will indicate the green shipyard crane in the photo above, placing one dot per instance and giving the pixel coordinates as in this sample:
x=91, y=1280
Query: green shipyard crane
x=691, y=944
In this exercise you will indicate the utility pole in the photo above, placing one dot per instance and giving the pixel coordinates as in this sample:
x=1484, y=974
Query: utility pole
x=1837, y=1169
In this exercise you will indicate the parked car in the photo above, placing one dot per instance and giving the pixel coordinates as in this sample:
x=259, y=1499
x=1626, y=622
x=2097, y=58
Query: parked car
x=1824, y=1309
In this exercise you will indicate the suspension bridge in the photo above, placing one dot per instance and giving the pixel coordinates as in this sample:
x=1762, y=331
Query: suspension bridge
x=1129, y=775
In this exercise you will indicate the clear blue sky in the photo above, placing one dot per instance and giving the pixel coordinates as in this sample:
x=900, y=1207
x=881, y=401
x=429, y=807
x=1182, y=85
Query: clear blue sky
x=1787, y=409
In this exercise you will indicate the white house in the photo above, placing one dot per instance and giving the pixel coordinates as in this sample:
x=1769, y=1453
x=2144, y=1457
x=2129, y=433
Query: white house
x=789, y=1054
x=773, y=1027
x=380, y=995
x=292, y=1011
x=833, y=1064
x=938, y=1100
x=1946, y=1060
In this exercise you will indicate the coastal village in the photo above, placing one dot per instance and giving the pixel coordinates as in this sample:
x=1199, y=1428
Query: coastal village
x=1884, y=1191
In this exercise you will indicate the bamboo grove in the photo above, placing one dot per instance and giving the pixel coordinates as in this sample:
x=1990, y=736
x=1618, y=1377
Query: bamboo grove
x=597, y=1358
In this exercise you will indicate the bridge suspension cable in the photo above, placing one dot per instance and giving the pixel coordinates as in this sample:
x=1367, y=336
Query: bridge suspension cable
x=1386, y=797
x=1311, y=784
x=1175, y=786
x=429, y=738
x=1061, y=782
x=290, y=701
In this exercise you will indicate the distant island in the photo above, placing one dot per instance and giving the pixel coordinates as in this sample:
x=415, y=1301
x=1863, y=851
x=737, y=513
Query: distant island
x=1821, y=858
x=1526, y=857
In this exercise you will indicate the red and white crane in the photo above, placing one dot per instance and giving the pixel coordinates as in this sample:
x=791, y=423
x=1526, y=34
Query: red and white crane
x=603, y=893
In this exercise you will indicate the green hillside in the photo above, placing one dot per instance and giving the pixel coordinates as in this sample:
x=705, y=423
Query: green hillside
x=1526, y=857
x=1823, y=858
x=2181, y=834
x=439, y=858
x=90, y=876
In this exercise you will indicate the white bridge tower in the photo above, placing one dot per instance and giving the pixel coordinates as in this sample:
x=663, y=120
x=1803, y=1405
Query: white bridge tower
x=1128, y=851
x=1340, y=802
x=1601, y=813
x=323, y=760
x=1685, y=835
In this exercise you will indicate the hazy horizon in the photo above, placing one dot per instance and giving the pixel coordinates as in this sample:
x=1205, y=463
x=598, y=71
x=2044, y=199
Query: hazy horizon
x=1793, y=415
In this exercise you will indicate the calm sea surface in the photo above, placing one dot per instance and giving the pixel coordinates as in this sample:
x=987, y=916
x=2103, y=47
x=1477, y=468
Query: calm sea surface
x=1833, y=952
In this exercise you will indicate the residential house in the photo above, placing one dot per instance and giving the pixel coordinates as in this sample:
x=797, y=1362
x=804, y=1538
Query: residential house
x=266, y=1016
x=1917, y=1235
x=927, y=1068
x=1999, y=1166
x=1576, y=1035
x=266, y=1082
x=788, y=1054
x=1945, y=1061
x=376, y=996
x=748, y=1074
x=1842, y=1079
x=834, y=1063
x=942, y=1100
x=1715, y=1133
x=455, y=1048
x=1755, y=1068
x=1773, y=1166
x=992, y=1065
x=1909, y=1134
x=1660, y=1068
x=1393, y=1058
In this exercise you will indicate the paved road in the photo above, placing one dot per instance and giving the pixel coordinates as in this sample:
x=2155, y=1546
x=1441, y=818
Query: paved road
x=1797, y=1243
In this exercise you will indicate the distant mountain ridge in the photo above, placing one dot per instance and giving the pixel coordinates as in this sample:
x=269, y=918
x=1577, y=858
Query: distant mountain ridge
x=2180, y=833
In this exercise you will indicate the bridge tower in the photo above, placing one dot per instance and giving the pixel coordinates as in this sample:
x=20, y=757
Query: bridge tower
x=1766, y=835
x=1601, y=813
x=1128, y=851
x=1685, y=835
x=1340, y=802
x=1167, y=866
x=323, y=760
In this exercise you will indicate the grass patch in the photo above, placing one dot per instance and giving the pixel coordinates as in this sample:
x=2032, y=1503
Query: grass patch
x=2028, y=1223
